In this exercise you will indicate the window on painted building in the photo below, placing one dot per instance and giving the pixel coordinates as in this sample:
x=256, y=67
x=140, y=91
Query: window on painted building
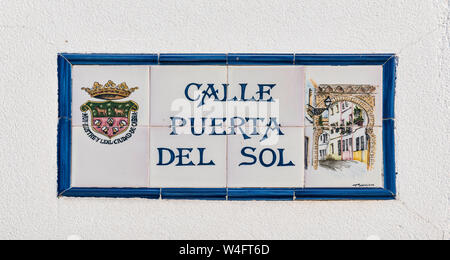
x=362, y=143
x=339, y=147
x=310, y=94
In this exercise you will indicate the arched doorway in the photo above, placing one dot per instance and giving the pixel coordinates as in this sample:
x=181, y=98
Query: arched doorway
x=344, y=130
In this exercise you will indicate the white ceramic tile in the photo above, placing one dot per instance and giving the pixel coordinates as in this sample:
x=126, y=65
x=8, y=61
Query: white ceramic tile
x=349, y=168
x=169, y=98
x=285, y=85
x=345, y=83
x=257, y=175
x=184, y=171
x=84, y=76
x=98, y=161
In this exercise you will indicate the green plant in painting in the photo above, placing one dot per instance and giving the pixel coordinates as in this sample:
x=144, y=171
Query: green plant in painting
x=359, y=120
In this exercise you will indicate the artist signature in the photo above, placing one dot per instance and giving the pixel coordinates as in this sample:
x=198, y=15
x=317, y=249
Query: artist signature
x=363, y=185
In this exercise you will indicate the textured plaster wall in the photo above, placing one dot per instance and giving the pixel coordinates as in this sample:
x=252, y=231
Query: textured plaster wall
x=33, y=32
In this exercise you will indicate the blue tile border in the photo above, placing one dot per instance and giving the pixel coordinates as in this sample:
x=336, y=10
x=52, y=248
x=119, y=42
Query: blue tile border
x=390, y=172
x=64, y=87
x=260, y=59
x=261, y=194
x=193, y=59
x=343, y=194
x=389, y=80
x=65, y=62
x=341, y=59
x=145, y=193
x=194, y=193
x=64, y=154
x=111, y=59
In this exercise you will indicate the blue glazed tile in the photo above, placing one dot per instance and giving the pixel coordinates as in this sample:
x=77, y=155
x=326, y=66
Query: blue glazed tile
x=64, y=154
x=64, y=87
x=341, y=59
x=341, y=194
x=389, y=155
x=194, y=193
x=145, y=193
x=260, y=59
x=261, y=194
x=111, y=59
x=389, y=78
x=192, y=59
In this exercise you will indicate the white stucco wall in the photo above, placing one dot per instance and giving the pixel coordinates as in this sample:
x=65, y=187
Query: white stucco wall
x=33, y=32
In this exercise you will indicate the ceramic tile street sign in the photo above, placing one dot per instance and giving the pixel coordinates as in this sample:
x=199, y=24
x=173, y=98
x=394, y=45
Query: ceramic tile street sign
x=217, y=126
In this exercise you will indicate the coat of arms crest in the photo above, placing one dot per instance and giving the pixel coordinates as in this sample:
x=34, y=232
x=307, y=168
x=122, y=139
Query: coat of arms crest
x=110, y=118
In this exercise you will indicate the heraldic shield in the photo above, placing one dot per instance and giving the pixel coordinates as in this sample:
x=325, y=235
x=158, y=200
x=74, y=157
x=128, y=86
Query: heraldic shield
x=110, y=118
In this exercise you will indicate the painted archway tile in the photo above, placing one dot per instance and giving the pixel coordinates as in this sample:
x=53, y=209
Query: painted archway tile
x=343, y=133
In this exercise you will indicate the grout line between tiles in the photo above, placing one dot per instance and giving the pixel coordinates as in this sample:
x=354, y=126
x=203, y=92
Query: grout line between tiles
x=302, y=100
x=227, y=141
x=149, y=120
x=227, y=137
x=64, y=57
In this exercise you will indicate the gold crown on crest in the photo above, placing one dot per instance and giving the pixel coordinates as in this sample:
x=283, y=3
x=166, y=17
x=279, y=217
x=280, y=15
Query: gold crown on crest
x=110, y=91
